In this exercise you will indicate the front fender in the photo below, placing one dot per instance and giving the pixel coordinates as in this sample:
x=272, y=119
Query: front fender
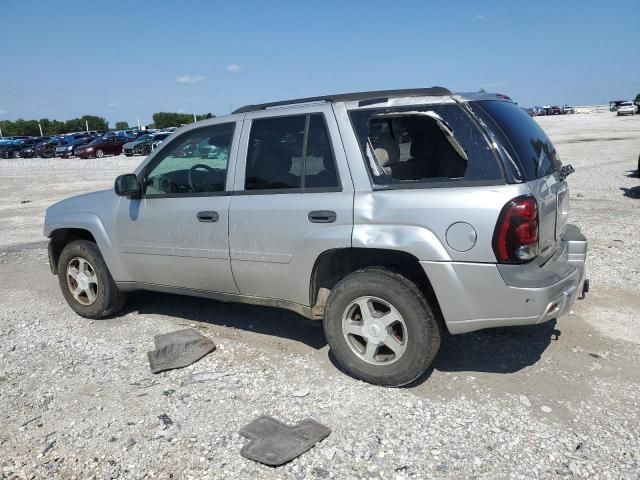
x=94, y=225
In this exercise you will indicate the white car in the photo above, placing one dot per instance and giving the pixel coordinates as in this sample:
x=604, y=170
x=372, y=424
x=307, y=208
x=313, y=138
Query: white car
x=627, y=108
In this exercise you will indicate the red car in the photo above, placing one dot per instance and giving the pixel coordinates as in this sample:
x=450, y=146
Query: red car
x=102, y=146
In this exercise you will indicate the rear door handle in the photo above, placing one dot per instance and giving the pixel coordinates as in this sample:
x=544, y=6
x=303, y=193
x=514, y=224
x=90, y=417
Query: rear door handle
x=322, y=216
x=207, y=217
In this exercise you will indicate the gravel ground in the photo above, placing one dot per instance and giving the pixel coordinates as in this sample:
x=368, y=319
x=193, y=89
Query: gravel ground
x=559, y=400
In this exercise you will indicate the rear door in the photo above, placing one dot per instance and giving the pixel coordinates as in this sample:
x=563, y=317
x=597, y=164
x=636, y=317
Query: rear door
x=293, y=200
x=538, y=161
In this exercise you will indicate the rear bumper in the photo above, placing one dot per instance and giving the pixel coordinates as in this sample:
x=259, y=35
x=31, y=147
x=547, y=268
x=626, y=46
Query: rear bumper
x=474, y=296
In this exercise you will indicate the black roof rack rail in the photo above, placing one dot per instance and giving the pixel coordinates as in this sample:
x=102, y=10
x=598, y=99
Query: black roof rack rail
x=381, y=95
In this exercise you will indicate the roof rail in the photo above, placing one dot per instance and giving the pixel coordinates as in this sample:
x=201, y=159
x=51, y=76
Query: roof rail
x=380, y=95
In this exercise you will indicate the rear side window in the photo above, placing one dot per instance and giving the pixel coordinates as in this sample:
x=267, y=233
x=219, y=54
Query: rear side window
x=536, y=154
x=424, y=145
x=290, y=153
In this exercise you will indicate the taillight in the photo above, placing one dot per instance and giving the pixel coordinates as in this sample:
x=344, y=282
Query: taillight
x=515, y=239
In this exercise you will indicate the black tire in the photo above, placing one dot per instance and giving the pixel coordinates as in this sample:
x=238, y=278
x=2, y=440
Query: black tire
x=109, y=300
x=423, y=334
x=129, y=154
x=99, y=153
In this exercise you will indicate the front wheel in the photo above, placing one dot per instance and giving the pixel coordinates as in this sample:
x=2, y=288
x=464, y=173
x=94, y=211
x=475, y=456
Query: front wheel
x=86, y=283
x=380, y=327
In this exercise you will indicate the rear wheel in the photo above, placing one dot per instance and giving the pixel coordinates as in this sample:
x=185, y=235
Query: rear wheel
x=99, y=153
x=86, y=283
x=380, y=327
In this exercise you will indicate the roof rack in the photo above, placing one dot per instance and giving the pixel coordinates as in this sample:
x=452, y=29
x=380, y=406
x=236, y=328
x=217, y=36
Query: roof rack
x=378, y=96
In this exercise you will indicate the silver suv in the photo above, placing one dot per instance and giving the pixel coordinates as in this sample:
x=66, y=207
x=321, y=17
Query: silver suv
x=393, y=216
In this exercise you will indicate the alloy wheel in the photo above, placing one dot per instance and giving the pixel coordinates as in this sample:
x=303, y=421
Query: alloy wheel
x=374, y=330
x=82, y=281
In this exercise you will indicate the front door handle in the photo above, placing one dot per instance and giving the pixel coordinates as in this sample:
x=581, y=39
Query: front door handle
x=207, y=217
x=322, y=216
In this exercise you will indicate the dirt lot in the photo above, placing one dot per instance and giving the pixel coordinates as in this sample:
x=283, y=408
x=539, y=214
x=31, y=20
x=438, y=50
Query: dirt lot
x=558, y=400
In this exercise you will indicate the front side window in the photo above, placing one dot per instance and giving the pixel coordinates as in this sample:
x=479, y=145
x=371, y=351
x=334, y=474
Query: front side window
x=290, y=153
x=423, y=144
x=195, y=162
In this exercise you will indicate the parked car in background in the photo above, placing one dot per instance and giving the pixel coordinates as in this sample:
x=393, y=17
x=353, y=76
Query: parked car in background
x=69, y=145
x=567, y=109
x=102, y=146
x=334, y=215
x=144, y=144
x=30, y=151
x=556, y=110
x=15, y=147
x=627, y=108
x=48, y=149
x=136, y=134
x=537, y=110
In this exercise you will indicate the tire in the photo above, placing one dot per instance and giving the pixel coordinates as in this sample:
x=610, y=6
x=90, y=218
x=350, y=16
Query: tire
x=105, y=299
x=99, y=153
x=15, y=154
x=416, y=335
x=129, y=154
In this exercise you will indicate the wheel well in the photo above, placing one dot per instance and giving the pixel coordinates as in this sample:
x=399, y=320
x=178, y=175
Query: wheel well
x=63, y=236
x=333, y=265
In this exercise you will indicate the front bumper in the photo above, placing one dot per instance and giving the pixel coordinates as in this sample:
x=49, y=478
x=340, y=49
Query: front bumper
x=474, y=296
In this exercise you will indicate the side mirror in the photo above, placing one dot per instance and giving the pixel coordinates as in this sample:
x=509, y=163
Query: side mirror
x=127, y=186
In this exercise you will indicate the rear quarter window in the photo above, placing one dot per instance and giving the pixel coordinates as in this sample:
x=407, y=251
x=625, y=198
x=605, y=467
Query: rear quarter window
x=424, y=145
x=521, y=136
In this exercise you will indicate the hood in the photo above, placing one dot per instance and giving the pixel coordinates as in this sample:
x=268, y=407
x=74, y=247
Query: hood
x=133, y=143
x=85, y=203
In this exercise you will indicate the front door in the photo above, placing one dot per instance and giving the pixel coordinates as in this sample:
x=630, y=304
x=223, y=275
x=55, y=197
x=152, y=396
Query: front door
x=293, y=200
x=177, y=234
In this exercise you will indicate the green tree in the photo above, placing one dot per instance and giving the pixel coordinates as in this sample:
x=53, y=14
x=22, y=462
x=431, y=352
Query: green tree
x=122, y=125
x=173, y=119
x=637, y=98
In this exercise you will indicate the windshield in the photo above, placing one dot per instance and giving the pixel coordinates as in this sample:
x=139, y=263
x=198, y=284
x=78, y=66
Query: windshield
x=523, y=137
x=625, y=104
x=97, y=141
x=144, y=138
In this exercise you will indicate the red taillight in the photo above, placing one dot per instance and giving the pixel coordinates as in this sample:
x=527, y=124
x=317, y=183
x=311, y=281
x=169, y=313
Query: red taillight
x=515, y=239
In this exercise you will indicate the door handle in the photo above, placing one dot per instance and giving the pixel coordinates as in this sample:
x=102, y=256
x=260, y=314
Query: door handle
x=207, y=217
x=322, y=216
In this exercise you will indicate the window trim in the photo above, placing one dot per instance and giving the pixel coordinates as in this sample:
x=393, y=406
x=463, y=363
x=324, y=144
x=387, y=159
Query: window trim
x=450, y=183
x=302, y=188
x=142, y=176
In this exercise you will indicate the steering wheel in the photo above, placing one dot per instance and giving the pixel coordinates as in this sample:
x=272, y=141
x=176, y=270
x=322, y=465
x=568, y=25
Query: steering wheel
x=198, y=166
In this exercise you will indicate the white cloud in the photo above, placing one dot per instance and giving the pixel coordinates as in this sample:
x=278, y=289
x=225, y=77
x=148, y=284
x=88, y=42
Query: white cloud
x=190, y=79
x=233, y=68
x=181, y=110
x=3, y=112
x=480, y=16
x=112, y=104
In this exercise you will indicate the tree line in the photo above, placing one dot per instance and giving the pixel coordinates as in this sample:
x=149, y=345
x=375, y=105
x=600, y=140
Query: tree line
x=56, y=127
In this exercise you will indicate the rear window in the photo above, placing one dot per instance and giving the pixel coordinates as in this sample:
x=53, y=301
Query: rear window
x=424, y=145
x=523, y=137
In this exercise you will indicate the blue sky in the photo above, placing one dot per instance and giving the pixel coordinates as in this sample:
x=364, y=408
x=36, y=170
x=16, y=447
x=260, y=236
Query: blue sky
x=125, y=59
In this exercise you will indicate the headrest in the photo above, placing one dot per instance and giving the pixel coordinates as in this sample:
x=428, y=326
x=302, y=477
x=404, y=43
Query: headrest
x=386, y=150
